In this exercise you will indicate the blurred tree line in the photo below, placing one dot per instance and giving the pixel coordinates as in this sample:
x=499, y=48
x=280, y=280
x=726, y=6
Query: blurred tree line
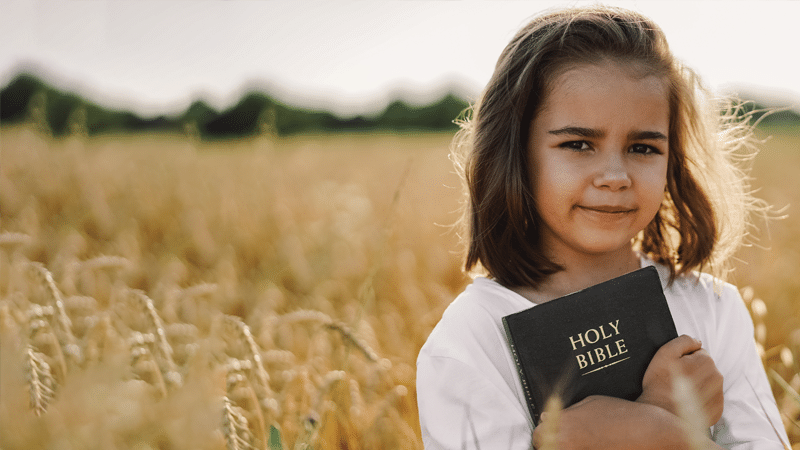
x=29, y=99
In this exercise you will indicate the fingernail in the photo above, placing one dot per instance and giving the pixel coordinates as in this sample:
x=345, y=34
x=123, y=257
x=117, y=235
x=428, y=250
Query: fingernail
x=543, y=417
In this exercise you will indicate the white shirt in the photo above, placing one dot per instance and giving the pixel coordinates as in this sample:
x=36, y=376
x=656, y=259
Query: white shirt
x=470, y=395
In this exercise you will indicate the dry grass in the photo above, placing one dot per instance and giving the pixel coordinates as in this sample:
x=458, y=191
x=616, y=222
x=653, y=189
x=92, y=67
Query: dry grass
x=154, y=294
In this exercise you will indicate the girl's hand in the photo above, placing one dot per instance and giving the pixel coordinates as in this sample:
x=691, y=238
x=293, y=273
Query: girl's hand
x=600, y=422
x=684, y=355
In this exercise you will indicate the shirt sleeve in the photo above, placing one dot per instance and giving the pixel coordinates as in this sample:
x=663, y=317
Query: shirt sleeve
x=750, y=417
x=460, y=409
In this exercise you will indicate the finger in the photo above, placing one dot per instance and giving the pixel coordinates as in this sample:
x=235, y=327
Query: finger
x=537, y=437
x=681, y=345
x=714, y=403
x=713, y=407
x=703, y=373
x=699, y=364
x=709, y=388
x=581, y=403
x=708, y=382
x=696, y=361
x=699, y=350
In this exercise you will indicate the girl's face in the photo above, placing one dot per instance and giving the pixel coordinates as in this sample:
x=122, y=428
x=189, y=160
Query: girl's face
x=598, y=154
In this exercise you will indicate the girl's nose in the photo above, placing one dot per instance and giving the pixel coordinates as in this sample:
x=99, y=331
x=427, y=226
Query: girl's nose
x=613, y=175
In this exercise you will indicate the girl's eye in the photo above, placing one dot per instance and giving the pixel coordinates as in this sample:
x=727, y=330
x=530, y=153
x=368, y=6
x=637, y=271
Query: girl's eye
x=576, y=145
x=644, y=149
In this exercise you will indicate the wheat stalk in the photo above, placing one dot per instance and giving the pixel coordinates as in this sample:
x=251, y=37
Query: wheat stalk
x=105, y=262
x=234, y=427
x=200, y=290
x=386, y=421
x=184, y=341
x=349, y=337
x=356, y=399
x=347, y=334
x=328, y=381
x=8, y=323
x=306, y=315
x=310, y=432
x=690, y=411
x=84, y=307
x=186, y=331
x=42, y=338
x=81, y=302
x=244, y=333
x=240, y=392
x=167, y=364
x=12, y=240
x=64, y=329
x=143, y=362
x=102, y=339
x=552, y=412
x=41, y=383
x=389, y=402
x=275, y=356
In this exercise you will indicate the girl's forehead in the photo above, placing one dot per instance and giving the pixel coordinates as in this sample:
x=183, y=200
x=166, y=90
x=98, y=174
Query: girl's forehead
x=606, y=79
x=606, y=96
x=605, y=70
x=635, y=68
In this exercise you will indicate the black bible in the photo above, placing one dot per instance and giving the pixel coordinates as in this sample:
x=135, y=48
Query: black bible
x=598, y=341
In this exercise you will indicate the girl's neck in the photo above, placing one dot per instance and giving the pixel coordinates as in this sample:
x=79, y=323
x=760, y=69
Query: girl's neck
x=581, y=272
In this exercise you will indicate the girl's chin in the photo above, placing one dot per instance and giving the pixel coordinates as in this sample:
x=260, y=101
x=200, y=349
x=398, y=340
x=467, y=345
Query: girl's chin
x=604, y=246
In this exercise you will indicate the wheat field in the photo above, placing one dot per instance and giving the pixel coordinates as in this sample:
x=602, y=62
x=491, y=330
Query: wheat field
x=157, y=292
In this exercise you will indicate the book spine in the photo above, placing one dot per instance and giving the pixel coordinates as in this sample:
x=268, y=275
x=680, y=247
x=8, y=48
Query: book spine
x=525, y=385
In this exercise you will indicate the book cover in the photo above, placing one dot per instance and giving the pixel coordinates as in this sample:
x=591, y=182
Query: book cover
x=598, y=341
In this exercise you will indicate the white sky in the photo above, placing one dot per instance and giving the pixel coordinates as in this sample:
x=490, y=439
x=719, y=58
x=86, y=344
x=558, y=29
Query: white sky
x=350, y=56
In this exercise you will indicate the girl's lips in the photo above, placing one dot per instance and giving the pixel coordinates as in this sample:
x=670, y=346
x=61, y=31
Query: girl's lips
x=609, y=209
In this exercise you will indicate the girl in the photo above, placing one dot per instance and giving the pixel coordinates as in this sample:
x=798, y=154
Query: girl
x=588, y=156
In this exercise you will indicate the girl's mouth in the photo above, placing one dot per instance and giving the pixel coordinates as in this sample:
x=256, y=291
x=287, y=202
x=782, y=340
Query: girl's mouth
x=608, y=209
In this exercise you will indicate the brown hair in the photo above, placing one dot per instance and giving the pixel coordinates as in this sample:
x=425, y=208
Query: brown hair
x=491, y=152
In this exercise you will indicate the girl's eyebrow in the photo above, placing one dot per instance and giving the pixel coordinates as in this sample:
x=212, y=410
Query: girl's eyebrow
x=597, y=134
x=578, y=131
x=647, y=135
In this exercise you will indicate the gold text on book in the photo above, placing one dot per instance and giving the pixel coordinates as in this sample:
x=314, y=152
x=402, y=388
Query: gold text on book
x=604, y=352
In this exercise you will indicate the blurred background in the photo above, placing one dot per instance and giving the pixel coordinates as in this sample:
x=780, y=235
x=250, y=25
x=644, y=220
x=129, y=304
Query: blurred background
x=229, y=223
x=357, y=64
